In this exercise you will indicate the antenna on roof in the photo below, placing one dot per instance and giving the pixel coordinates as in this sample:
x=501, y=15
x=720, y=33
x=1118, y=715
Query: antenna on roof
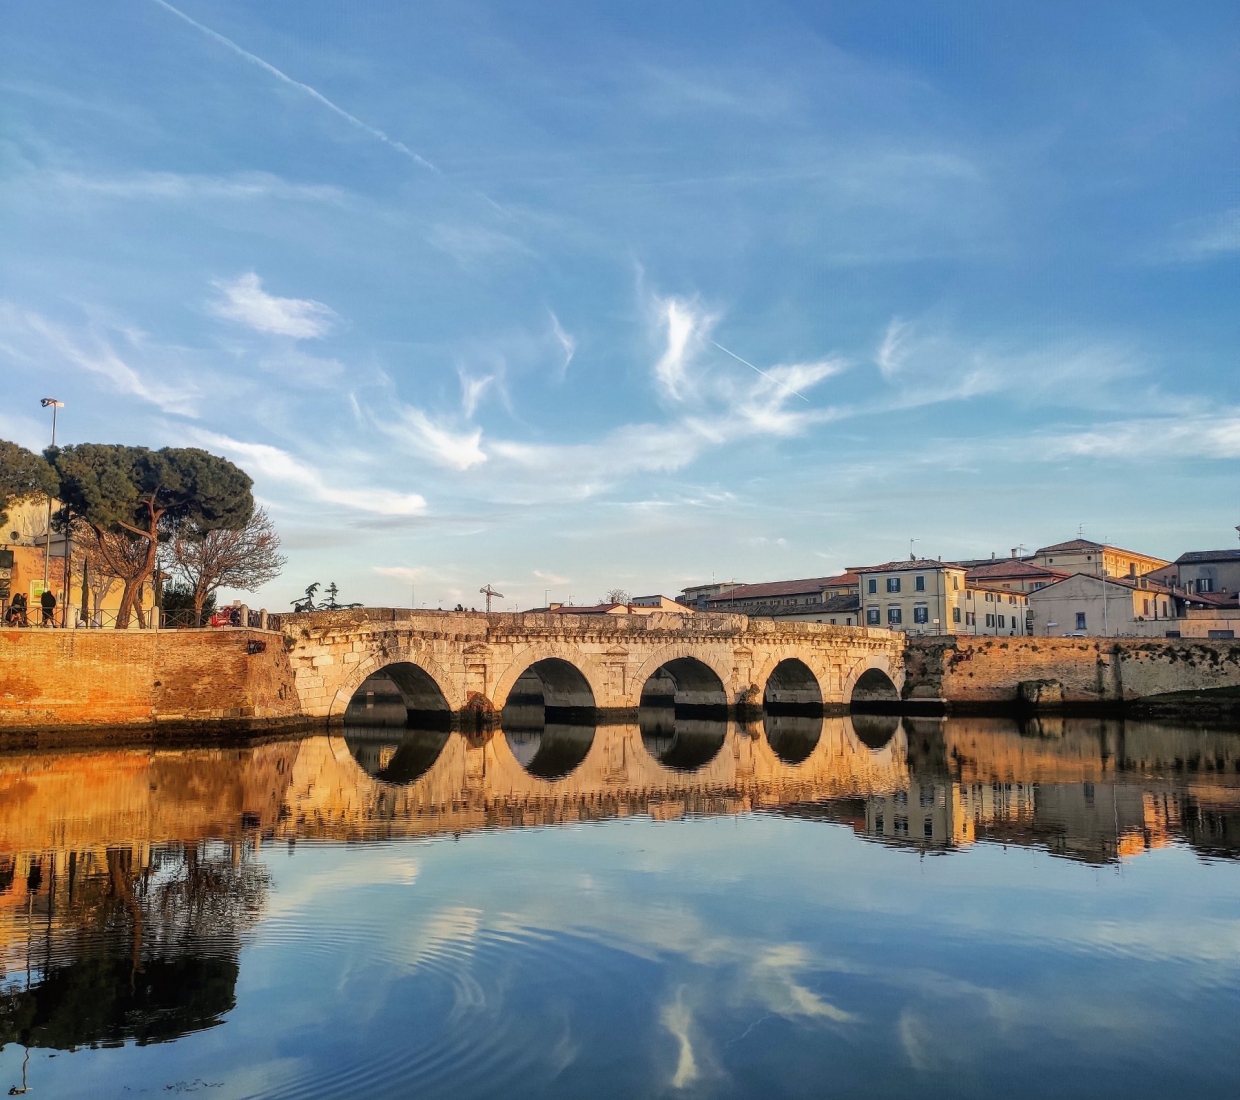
x=911, y=555
x=1080, y=530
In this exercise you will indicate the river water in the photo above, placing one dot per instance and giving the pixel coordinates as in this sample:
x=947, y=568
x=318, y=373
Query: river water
x=800, y=906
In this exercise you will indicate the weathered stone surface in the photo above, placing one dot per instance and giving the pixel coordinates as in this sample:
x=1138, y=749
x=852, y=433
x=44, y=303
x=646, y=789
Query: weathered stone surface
x=984, y=672
x=475, y=659
x=65, y=678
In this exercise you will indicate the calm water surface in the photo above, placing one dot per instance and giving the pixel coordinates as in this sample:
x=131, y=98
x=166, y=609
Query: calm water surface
x=679, y=907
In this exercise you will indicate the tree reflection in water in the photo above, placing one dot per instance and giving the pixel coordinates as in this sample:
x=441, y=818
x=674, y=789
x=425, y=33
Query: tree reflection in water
x=140, y=945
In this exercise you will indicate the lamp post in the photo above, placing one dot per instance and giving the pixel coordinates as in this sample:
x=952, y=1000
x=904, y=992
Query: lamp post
x=53, y=404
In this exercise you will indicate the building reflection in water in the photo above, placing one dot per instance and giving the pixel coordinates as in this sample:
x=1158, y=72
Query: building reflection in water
x=129, y=876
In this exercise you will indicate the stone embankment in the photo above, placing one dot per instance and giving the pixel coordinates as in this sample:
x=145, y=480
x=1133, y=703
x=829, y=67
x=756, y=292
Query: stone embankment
x=58, y=679
x=1137, y=675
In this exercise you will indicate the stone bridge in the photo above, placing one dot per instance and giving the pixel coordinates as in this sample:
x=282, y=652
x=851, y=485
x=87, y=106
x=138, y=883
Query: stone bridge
x=460, y=662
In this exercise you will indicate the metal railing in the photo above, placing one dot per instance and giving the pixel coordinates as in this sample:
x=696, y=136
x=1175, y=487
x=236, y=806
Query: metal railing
x=149, y=619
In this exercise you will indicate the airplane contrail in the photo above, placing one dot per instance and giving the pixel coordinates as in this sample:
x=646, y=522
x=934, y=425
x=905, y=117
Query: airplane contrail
x=373, y=131
x=747, y=363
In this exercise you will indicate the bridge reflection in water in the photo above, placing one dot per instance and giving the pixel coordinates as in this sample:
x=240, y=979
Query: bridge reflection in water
x=129, y=876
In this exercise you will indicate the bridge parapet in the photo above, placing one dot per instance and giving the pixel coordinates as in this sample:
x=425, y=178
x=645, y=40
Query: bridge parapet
x=475, y=658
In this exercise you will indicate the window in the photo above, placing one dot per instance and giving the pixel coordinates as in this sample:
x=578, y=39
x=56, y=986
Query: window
x=894, y=616
x=901, y=826
x=871, y=616
x=921, y=613
x=920, y=584
x=955, y=583
x=1002, y=622
x=1037, y=585
x=1080, y=620
x=878, y=823
x=872, y=585
x=955, y=614
x=1205, y=584
x=893, y=584
x=990, y=620
x=928, y=829
x=1146, y=606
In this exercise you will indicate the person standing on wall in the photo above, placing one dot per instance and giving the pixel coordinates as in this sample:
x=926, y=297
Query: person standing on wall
x=48, y=602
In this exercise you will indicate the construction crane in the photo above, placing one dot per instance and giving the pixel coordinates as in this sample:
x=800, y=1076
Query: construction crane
x=490, y=593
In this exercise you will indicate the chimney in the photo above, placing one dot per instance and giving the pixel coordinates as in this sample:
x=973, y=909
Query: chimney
x=992, y=555
x=1013, y=551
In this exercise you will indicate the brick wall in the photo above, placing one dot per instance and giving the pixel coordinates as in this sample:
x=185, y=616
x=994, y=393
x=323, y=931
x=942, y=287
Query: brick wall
x=967, y=671
x=64, y=678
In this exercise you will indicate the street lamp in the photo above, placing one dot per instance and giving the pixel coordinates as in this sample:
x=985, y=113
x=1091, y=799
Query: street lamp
x=53, y=404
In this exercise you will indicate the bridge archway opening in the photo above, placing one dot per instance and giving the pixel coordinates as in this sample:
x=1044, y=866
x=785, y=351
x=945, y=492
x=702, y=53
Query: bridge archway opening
x=792, y=688
x=689, y=687
x=875, y=731
x=397, y=723
x=683, y=716
x=792, y=737
x=400, y=694
x=875, y=692
x=549, y=718
x=551, y=690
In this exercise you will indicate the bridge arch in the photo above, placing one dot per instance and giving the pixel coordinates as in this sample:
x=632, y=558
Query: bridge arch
x=878, y=681
x=564, y=671
x=697, y=677
x=421, y=676
x=791, y=683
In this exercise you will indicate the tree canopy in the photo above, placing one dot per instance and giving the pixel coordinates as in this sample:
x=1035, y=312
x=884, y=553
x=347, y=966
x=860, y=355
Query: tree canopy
x=113, y=486
x=22, y=474
x=147, y=496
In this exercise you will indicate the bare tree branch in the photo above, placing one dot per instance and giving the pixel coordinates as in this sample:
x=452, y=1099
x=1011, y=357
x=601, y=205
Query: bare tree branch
x=245, y=559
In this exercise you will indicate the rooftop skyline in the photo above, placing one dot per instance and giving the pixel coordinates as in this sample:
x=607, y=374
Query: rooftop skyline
x=563, y=297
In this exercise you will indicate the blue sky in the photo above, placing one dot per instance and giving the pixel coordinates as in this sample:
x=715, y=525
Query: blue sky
x=560, y=296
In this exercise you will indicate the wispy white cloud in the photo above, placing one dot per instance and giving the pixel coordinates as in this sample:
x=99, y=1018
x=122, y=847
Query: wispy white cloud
x=29, y=336
x=264, y=460
x=245, y=302
x=893, y=350
x=1209, y=436
x=1208, y=238
x=253, y=59
x=469, y=245
x=687, y=326
x=551, y=578
x=456, y=450
x=565, y=341
x=177, y=186
x=927, y=364
x=472, y=390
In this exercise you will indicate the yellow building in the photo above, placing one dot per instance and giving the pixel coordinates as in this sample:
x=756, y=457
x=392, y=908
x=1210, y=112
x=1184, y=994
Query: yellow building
x=25, y=534
x=1084, y=556
x=923, y=596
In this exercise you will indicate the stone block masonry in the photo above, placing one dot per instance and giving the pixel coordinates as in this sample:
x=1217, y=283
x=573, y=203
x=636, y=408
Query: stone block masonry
x=1106, y=673
x=62, y=679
